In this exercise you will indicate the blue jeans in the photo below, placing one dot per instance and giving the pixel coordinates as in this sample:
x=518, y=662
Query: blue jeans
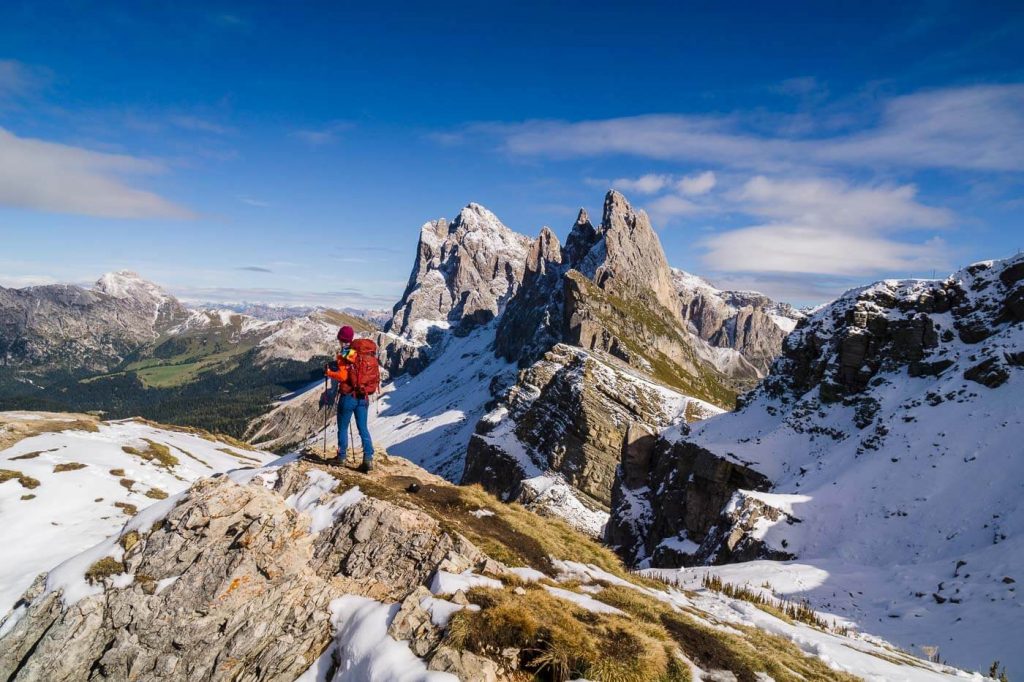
x=360, y=407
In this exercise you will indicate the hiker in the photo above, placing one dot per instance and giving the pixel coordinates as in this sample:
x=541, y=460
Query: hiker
x=358, y=377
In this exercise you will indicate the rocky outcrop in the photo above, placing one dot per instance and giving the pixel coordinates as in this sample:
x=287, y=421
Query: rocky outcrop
x=568, y=414
x=921, y=327
x=629, y=261
x=669, y=501
x=532, y=320
x=464, y=274
x=597, y=329
x=234, y=581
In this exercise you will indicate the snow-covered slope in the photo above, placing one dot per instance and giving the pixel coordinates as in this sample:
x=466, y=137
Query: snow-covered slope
x=891, y=429
x=429, y=418
x=65, y=490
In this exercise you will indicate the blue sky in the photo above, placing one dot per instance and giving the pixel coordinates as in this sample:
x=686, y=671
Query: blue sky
x=289, y=152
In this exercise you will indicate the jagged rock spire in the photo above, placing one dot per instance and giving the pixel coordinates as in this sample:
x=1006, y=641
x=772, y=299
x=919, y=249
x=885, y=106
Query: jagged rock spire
x=634, y=261
x=464, y=272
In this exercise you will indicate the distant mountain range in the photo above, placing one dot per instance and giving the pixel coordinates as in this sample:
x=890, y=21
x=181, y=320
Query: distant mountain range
x=126, y=347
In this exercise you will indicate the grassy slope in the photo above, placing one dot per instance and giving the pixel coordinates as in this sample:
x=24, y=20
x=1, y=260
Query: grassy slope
x=556, y=639
x=615, y=312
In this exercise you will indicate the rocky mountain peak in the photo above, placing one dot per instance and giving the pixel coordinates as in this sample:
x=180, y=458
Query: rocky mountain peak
x=128, y=284
x=630, y=257
x=464, y=273
x=581, y=239
x=545, y=249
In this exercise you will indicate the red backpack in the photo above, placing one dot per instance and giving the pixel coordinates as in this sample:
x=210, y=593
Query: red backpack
x=364, y=371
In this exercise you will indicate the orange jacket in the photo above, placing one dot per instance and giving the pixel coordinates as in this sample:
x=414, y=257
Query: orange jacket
x=343, y=360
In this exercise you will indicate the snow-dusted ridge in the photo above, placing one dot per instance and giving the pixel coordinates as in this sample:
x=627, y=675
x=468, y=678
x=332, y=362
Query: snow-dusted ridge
x=891, y=429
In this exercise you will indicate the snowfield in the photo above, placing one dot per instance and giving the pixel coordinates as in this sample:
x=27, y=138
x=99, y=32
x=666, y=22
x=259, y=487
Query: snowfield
x=74, y=479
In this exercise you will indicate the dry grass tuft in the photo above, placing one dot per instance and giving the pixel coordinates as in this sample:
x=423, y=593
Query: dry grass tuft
x=12, y=475
x=156, y=494
x=102, y=569
x=557, y=640
x=155, y=452
x=13, y=429
x=128, y=509
x=68, y=466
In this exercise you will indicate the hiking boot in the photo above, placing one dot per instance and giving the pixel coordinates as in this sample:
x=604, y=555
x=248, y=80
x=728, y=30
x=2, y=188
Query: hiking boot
x=366, y=467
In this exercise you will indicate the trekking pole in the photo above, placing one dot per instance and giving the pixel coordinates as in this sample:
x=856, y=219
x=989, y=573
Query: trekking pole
x=351, y=440
x=327, y=412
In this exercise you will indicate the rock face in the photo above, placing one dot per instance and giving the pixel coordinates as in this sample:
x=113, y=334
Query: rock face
x=568, y=414
x=464, y=273
x=667, y=506
x=747, y=322
x=630, y=261
x=922, y=327
x=532, y=322
x=83, y=330
x=233, y=582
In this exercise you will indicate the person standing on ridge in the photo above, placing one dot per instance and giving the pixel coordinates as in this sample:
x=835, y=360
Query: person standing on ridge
x=358, y=377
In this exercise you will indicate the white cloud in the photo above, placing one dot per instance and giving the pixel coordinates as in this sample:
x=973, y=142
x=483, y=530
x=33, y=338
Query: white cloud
x=701, y=183
x=824, y=226
x=973, y=128
x=645, y=184
x=832, y=204
x=671, y=206
x=48, y=176
x=801, y=248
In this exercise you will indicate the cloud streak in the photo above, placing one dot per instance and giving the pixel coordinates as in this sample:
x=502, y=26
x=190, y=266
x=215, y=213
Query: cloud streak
x=978, y=128
x=48, y=176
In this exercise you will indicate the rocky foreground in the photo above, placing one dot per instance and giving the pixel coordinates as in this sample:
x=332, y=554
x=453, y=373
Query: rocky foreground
x=299, y=571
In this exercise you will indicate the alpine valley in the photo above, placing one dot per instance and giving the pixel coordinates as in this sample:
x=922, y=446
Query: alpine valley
x=597, y=467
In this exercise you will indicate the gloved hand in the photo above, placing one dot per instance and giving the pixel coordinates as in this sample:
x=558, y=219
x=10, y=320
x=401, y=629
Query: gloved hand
x=333, y=366
x=327, y=398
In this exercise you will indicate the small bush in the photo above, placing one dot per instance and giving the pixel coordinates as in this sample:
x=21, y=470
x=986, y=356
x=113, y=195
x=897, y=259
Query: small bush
x=30, y=496
x=130, y=539
x=117, y=472
x=127, y=484
x=786, y=610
